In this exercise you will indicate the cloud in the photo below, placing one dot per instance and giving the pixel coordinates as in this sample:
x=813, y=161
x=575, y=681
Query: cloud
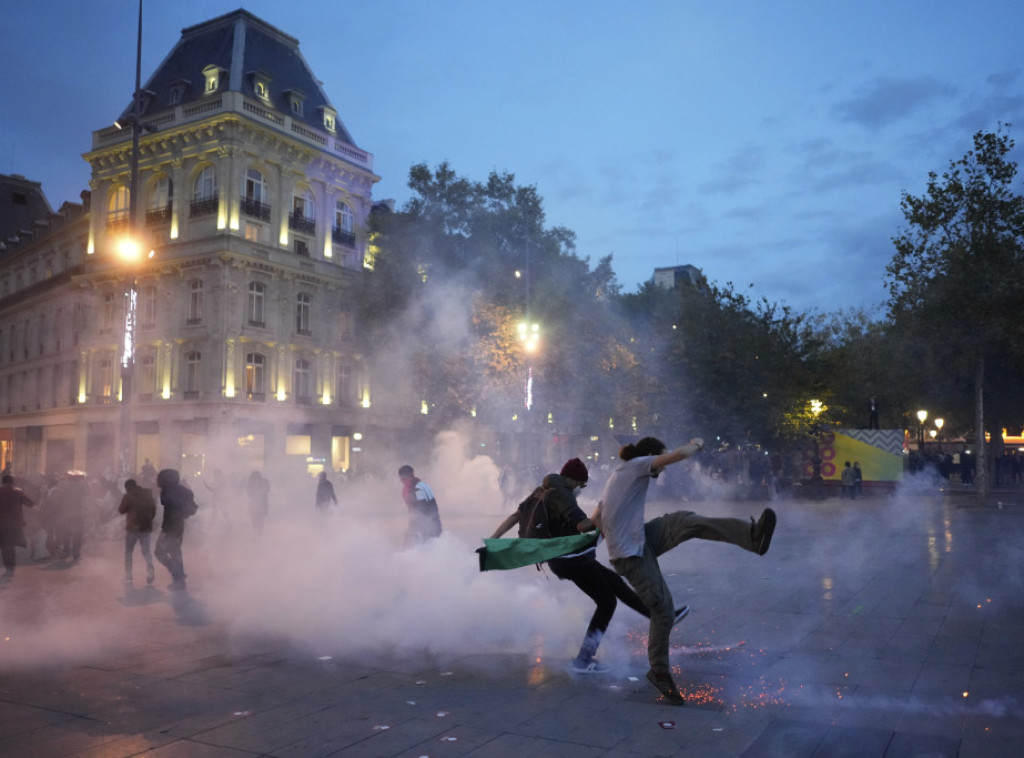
x=886, y=100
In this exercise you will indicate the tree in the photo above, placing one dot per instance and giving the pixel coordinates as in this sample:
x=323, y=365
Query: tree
x=955, y=282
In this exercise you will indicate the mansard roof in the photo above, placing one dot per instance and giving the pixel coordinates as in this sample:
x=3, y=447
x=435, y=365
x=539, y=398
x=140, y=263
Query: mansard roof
x=22, y=203
x=242, y=46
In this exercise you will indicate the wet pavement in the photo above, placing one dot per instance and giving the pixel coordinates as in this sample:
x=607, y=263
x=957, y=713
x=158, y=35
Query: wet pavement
x=878, y=627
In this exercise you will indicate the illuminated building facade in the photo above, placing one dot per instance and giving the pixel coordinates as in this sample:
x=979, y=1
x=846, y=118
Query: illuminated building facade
x=254, y=199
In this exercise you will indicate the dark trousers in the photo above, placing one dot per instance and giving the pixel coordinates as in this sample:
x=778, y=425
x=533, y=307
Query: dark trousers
x=168, y=552
x=8, y=545
x=604, y=587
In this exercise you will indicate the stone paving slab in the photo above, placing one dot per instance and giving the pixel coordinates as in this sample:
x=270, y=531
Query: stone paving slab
x=886, y=627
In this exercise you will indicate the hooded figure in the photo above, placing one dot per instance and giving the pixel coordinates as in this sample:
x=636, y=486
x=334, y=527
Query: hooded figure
x=179, y=504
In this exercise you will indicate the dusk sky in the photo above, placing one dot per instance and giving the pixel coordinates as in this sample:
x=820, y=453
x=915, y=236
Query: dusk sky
x=767, y=143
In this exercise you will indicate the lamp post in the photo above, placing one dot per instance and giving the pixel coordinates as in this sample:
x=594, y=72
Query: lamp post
x=130, y=252
x=938, y=432
x=922, y=416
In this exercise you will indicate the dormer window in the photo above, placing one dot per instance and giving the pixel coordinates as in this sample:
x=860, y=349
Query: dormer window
x=260, y=81
x=212, y=76
x=295, y=101
x=145, y=98
x=330, y=119
x=177, y=92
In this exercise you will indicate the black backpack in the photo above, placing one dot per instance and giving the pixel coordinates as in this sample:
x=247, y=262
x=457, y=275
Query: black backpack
x=533, y=515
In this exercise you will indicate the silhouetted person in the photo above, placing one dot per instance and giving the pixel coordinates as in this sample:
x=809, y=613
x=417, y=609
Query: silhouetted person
x=12, y=524
x=139, y=509
x=179, y=503
x=258, y=490
x=872, y=413
x=424, y=519
x=324, y=493
x=72, y=500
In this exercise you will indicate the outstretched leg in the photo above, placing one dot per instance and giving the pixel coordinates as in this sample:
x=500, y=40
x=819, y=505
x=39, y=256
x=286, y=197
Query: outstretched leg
x=666, y=532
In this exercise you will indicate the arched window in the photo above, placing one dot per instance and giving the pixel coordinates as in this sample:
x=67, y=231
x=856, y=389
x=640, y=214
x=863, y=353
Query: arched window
x=195, y=301
x=253, y=186
x=159, y=210
x=205, y=186
x=302, y=313
x=302, y=381
x=204, y=193
x=344, y=224
x=255, y=198
x=118, y=208
x=254, y=376
x=257, y=296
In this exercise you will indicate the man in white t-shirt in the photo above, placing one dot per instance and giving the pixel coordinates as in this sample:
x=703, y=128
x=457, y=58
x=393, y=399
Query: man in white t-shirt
x=634, y=546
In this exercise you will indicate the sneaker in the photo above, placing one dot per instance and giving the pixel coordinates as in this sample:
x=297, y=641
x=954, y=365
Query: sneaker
x=590, y=667
x=682, y=613
x=177, y=584
x=664, y=684
x=763, y=530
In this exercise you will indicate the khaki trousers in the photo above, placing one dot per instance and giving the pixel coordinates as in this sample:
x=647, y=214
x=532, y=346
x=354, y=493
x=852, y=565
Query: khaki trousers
x=643, y=572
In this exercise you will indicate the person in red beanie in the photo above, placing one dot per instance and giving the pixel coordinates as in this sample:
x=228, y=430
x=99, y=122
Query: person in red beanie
x=598, y=582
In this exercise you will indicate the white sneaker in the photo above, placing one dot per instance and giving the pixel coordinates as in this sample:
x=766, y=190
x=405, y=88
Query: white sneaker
x=592, y=667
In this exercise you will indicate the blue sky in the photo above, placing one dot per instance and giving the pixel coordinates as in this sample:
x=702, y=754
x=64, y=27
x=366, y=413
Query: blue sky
x=767, y=143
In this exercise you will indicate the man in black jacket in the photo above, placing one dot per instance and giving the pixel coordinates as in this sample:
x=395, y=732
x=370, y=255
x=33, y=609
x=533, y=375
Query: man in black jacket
x=179, y=504
x=601, y=584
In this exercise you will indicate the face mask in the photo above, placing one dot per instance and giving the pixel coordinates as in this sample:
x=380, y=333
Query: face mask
x=576, y=491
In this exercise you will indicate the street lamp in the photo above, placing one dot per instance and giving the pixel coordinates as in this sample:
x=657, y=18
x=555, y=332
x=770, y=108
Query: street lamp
x=922, y=416
x=130, y=251
x=938, y=431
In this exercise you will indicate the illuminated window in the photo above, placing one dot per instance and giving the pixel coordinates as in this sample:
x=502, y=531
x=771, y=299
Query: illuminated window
x=212, y=76
x=118, y=208
x=254, y=232
x=302, y=312
x=255, y=306
x=345, y=389
x=254, y=370
x=106, y=379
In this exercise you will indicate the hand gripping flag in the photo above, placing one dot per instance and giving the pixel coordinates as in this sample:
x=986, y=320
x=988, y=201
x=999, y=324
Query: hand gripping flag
x=510, y=553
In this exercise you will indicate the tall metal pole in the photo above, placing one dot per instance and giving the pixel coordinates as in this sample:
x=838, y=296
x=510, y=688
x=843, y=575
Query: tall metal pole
x=130, y=291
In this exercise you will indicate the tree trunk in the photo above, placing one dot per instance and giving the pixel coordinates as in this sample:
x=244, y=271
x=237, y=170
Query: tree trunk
x=981, y=478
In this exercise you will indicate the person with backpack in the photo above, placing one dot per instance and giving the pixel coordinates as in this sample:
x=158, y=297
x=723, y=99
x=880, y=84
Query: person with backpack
x=551, y=511
x=179, y=504
x=424, y=519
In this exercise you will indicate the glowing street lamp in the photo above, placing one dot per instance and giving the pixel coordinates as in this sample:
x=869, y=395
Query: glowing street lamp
x=938, y=431
x=922, y=416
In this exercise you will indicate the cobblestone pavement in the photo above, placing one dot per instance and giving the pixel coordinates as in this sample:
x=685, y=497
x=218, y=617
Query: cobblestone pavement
x=877, y=627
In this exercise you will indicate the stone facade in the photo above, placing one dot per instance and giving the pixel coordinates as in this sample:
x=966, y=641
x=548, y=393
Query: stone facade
x=254, y=202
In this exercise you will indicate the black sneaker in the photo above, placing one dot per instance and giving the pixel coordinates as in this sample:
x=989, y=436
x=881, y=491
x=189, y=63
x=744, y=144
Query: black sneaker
x=763, y=530
x=664, y=684
x=681, y=613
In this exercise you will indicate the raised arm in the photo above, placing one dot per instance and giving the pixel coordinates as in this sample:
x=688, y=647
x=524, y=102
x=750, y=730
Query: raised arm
x=681, y=453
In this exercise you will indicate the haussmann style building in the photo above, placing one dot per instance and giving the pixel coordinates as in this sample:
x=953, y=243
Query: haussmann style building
x=254, y=200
